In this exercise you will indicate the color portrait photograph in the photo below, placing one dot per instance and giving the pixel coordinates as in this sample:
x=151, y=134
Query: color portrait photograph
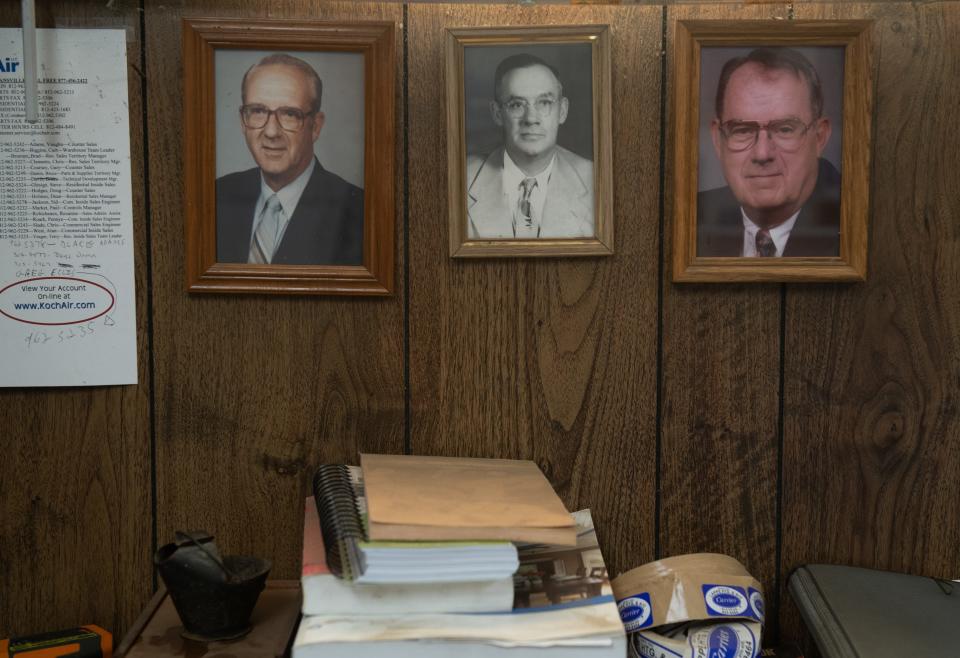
x=289, y=157
x=770, y=143
x=288, y=162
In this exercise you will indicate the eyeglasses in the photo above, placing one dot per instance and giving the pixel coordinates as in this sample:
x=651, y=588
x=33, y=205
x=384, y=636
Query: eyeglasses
x=289, y=118
x=787, y=134
x=517, y=107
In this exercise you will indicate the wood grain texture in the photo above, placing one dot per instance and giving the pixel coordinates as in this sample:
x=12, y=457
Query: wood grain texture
x=551, y=360
x=554, y=360
x=75, y=487
x=720, y=397
x=253, y=392
x=871, y=453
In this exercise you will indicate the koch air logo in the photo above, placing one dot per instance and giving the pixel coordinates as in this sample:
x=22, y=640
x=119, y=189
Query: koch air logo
x=9, y=65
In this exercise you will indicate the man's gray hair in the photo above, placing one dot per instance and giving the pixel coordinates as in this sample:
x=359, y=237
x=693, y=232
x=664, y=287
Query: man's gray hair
x=775, y=59
x=520, y=61
x=284, y=59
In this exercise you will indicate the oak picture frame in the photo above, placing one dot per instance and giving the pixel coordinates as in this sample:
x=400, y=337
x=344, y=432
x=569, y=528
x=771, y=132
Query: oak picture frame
x=690, y=38
x=375, y=43
x=597, y=39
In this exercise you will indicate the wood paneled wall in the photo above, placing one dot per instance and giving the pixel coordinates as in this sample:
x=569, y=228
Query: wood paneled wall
x=780, y=424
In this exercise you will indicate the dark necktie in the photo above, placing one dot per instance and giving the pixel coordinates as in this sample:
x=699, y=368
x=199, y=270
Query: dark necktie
x=524, y=222
x=765, y=245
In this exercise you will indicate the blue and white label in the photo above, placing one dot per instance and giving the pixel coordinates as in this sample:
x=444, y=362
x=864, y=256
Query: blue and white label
x=725, y=641
x=636, y=612
x=725, y=600
x=756, y=603
x=645, y=645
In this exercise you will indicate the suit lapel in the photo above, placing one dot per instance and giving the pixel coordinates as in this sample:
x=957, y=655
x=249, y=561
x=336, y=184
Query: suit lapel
x=568, y=202
x=237, y=206
x=487, y=203
x=310, y=234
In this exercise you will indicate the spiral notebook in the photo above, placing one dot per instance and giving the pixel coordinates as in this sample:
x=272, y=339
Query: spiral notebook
x=341, y=506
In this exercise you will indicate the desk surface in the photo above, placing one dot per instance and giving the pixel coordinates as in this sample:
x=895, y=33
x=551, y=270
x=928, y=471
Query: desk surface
x=157, y=631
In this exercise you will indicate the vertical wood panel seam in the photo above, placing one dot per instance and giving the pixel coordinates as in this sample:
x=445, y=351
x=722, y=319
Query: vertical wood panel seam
x=778, y=504
x=407, y=440
x=658, y=421
x=151, y=389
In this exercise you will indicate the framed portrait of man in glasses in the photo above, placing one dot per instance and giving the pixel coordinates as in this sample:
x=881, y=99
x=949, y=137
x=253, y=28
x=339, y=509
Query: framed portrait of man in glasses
x=296, y=193
x=528, y=119
x=780, y=145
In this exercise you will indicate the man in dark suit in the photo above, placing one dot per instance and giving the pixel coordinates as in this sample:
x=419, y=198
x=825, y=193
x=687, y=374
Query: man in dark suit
x=782, y=199
x=288, y=210
x=529, y=187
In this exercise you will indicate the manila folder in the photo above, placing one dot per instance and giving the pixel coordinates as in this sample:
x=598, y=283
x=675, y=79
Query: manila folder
x=414, y=498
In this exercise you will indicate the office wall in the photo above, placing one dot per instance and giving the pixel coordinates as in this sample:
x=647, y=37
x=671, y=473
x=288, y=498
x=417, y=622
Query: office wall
x=780, y=424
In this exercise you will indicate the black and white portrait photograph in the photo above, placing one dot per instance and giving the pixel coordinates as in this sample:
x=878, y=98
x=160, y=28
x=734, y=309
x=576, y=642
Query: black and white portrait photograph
x=771, y=133
x=289, y=156
x=529, y=133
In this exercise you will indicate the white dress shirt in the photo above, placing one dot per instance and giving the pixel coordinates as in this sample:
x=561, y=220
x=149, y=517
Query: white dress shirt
x=513, y=176
x=289, y=197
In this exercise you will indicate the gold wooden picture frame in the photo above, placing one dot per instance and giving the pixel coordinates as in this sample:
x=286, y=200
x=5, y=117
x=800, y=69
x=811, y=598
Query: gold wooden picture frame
x=303, y=201
x=529, y=141
x=743, y=191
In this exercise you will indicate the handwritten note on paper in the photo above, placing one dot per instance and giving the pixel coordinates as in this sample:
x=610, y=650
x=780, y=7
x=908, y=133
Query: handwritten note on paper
x=67, y=314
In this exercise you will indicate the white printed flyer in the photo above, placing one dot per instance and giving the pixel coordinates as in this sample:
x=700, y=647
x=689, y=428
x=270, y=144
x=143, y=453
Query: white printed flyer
x=67, y=302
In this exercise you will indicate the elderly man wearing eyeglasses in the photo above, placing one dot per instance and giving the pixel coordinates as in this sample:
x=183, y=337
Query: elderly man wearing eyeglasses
x=288, y=209
x=529, y=187
x=769, y=132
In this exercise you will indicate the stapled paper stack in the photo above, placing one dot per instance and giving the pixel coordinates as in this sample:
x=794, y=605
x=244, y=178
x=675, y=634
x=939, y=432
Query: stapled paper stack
x=557, y=604
x=563, y=608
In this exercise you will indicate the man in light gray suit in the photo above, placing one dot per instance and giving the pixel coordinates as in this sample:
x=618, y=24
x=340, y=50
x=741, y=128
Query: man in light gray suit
x=529, y=187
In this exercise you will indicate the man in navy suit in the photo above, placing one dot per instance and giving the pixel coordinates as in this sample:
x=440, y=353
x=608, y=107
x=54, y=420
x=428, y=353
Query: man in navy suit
x=288, y=209
x=782, y=198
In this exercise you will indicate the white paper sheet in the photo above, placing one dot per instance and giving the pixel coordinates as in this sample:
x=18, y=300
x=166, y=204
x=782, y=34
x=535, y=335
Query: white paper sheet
x=67, y=314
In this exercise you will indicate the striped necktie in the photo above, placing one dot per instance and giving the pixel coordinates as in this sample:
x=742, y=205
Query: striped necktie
x=523, y=224
x=765, y=245
x=265, y=237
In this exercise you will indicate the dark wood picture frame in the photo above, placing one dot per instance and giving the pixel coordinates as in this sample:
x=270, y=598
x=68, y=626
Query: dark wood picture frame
x=375, y=41
x=598, y=38
x=689, y=38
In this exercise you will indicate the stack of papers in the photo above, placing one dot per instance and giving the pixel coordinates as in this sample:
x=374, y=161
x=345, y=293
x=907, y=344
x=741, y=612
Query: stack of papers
x=436, y=562
x=416, y=498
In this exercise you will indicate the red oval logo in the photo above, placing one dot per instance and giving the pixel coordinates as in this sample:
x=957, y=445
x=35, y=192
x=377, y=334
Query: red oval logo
x=55, y=300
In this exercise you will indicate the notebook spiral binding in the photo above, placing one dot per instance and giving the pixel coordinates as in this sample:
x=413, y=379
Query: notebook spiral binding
x=341, y=523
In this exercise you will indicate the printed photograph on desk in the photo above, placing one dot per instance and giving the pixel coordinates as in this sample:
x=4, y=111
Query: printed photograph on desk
x=529, y=141
x=289, y=156
x=772, y=151
x=551, y=576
